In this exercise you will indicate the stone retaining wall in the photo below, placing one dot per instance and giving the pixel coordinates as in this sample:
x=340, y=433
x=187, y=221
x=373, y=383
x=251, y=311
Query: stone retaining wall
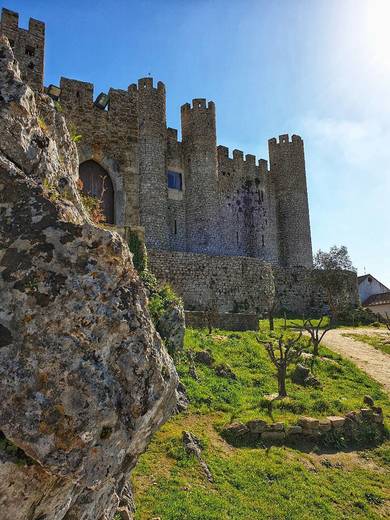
x=363, y=426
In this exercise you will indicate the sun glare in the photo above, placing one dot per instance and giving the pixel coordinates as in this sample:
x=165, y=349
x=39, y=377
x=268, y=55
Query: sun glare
x=376, y=30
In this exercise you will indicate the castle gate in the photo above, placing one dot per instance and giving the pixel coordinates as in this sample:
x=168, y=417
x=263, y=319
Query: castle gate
x=97, y=183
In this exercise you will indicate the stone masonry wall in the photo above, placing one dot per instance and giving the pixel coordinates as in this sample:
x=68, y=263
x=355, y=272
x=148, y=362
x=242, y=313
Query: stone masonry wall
x=110, y=138
x=287, y=165
x=28, y=46
x=247, y=212
x=228, y=206
x=238, y=284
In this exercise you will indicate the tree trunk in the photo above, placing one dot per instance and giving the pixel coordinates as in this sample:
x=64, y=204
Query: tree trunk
x=271, y=320
x=315, y=348
x=282, y=382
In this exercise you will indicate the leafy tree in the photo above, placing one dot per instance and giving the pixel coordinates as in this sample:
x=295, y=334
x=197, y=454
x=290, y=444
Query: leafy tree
x=329, y=274
x=282, y=353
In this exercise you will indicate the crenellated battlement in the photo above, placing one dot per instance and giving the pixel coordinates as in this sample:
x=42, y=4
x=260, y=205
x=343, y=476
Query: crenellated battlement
x=10, y=20
x=239, y=165
x=284, y=140
x=146, y=85
x=79, y=93
x=198, y=104
x=28, y=46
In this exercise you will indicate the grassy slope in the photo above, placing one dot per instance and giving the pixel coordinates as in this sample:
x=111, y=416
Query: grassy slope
x=378, y=341
x=280, y=483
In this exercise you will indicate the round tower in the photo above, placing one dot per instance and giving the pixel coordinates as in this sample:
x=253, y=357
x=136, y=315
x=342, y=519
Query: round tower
x=287, y=165
x=200, y=160
x=152, y=145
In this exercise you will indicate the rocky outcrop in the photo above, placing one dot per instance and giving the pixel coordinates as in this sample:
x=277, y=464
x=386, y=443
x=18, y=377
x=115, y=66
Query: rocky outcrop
x=171, y=327
x=84, y=378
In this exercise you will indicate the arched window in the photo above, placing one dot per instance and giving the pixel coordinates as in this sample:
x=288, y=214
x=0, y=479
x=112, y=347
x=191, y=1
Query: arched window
x=97, y=183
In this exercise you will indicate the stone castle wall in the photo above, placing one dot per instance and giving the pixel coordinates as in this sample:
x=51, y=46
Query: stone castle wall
x=215, y=238
x=240, y=284
x=228, y=206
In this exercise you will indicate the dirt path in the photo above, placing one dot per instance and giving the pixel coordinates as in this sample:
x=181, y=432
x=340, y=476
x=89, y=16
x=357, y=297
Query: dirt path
x=372, y=361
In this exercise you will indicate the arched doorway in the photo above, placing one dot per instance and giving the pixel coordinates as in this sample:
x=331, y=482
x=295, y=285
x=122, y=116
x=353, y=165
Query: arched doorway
x=97, y=183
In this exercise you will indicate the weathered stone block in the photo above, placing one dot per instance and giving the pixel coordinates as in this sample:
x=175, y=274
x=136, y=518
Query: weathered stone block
x=277, y=427
x=273, y=436
x=294, y=430
x=325, y=425
x=257, y=426
x=337, y=422
x=367, y=413
x=308, y=423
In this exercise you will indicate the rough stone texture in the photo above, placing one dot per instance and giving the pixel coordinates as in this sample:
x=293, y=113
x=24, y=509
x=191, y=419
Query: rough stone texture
x=193, y=446
x=303, y=376
x=337, y=422
x=239, y=284
x=238, y=321
x=357, y=429
x=257, y=426
x=204, y=357
x=84, y=378
x=28, y=46
x=273, y=436
x=171, y=327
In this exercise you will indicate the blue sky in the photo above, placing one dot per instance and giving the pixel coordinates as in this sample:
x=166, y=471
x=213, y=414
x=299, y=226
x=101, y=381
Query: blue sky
x=318, y=68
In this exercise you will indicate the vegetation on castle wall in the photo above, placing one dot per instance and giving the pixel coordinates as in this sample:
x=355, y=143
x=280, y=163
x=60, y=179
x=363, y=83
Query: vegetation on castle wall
x=137, y=247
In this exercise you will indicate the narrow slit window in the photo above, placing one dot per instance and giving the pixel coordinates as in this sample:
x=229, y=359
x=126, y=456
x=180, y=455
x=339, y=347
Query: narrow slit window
x=175, y=227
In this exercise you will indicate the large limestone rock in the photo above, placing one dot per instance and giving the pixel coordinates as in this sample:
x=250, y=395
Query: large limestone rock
x=171, y=327
x=84, y=378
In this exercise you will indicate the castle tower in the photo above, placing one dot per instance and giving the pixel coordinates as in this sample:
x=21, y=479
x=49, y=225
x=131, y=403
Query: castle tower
x=200, y=161
x=287, y=164
x=28, y=46
x=152, y=146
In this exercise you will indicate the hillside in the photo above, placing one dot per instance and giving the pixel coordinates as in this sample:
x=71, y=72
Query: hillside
x=309, y=481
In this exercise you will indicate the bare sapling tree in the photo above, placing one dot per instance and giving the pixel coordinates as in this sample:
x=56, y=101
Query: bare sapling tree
x=282, y=353
x=316, y=332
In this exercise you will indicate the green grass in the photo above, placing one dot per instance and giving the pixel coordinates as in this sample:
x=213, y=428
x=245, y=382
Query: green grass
x=278, y=483
x=379, y=341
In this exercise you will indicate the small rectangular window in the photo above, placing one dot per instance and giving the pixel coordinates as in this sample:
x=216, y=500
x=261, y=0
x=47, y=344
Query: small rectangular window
x=175, y=181
x=30, y=51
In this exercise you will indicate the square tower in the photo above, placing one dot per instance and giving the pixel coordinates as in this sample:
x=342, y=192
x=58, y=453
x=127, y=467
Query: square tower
x=28, y=46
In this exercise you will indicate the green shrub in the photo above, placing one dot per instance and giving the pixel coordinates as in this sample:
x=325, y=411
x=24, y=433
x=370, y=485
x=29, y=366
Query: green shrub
x=333, y=439
x=356, y=316
x=137, y=247
x=160, y=300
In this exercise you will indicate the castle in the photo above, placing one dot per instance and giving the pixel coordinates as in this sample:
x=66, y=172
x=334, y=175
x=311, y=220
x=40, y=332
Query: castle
x=211, y=222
